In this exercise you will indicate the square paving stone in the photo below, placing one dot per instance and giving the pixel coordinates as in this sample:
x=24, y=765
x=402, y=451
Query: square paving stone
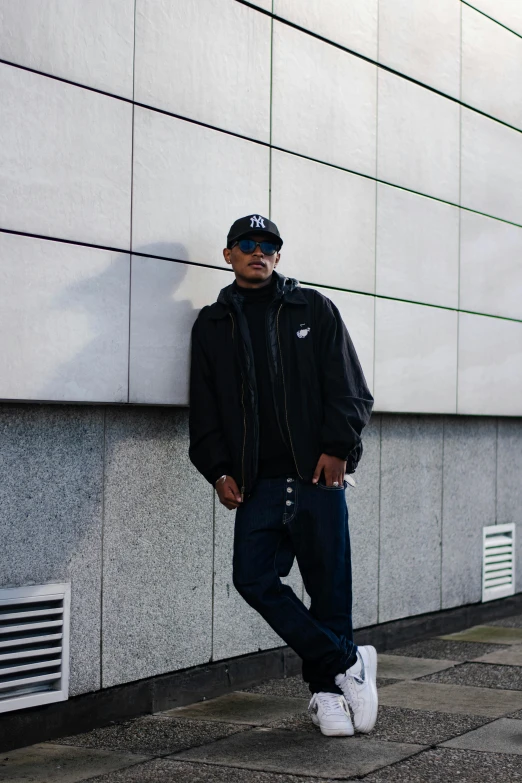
x=423, y=727
x=152, y=735
x=382, y=682
x=301, y=753
x=511, y=656
x=442, y=649
x=397, y=724
x=501, y=736
x=443, y=764
x=404, y=667
x=462, y=699
x=239, y=707
x=489, y=634
x=45, y=763
x=481, y=675
x=169, y=771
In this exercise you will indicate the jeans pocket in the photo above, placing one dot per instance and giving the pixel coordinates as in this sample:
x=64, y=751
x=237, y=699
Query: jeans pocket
x=333, y=489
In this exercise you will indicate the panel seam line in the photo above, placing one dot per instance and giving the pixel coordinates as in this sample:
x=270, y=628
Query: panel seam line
x=223, y=269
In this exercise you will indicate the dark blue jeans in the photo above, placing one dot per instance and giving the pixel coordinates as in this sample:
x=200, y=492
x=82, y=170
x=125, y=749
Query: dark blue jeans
x=283, y=519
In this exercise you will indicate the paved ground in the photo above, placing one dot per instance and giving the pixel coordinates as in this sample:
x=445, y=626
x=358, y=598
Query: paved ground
x=451, y=709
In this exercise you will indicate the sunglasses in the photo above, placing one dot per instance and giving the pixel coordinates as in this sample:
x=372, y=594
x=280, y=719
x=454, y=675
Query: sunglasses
x=249, y=245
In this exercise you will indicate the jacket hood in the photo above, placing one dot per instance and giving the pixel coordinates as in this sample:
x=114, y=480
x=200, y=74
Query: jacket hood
x=287, y=287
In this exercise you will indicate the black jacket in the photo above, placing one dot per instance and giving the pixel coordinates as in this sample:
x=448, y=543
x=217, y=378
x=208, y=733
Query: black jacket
x=321, y=398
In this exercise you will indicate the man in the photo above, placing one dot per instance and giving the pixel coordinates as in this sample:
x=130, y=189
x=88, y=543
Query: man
x=278, y=401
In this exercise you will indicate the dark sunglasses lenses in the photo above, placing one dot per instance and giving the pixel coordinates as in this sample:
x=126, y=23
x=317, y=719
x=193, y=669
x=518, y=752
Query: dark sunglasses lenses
x=248, y=246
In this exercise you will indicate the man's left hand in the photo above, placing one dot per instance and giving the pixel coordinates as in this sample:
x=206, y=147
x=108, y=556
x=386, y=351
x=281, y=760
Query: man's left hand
x=334, y=470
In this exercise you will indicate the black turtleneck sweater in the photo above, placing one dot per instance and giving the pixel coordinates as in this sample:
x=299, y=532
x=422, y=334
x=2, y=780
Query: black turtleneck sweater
x=275, y=459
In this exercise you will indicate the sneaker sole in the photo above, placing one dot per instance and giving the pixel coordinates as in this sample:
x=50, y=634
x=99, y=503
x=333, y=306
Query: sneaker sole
x=370, y=719
x=336, y=733
x=332, y=732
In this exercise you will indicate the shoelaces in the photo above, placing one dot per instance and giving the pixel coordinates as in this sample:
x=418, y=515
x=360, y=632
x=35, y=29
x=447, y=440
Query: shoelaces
x=331, y=703
x=349, y=685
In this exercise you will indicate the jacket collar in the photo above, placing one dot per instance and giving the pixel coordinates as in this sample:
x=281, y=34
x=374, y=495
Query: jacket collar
x=287, y=288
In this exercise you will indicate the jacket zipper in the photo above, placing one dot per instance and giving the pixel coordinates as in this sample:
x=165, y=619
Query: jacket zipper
x=244, y=420
x=284, y=391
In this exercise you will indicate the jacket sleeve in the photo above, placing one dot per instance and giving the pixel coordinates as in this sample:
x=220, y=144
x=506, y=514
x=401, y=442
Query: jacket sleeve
x=208, y=450
x=347, y=402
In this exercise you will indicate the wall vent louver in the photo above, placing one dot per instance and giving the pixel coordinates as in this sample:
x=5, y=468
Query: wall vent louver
x=34, y=645
x=498, y=562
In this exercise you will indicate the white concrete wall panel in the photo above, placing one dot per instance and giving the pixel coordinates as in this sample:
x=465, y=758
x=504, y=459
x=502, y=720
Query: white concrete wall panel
x=65, y=160
x=490, y=366
x=66, y=311
x=352, y=24
x=358, y=313
x=327, y=220
x=323, y=101
x=490, y=266
x=165, y=301
x=507, y=12
x=190, y=184
x=417, y=248
x=422, y=39
x=266, y=5
x=85, y=42
x=415, y=358
x=208, y=61
x=491, y=165
x=418, y=132
x=491, y=67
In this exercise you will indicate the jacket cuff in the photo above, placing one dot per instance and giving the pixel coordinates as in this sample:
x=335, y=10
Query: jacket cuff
x=352, y=458
x=220, y=470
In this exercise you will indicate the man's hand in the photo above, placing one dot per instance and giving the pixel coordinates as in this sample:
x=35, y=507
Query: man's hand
x=228, y=492
x=334, y=470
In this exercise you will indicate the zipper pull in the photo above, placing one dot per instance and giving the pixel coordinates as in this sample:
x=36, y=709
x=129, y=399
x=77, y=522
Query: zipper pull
x=242, y=494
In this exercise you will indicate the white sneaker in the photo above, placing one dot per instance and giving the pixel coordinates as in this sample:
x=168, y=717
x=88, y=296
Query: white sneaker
x=330, y=712
x=358, y=684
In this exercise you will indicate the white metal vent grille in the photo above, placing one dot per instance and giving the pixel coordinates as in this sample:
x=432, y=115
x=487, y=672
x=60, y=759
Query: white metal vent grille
x=34, y=645
x=498, y=568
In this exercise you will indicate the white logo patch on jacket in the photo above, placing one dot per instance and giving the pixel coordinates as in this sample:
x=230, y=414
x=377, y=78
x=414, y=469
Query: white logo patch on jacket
x=303, y=332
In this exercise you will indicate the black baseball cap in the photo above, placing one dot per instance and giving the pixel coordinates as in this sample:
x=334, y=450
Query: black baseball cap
x=253, y=224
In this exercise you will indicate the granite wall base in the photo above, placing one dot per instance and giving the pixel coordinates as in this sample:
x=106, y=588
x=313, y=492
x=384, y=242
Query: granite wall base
x=105, y=497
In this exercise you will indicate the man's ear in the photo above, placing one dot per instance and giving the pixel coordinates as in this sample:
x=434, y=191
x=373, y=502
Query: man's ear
x=226, y=255
x=278, y=256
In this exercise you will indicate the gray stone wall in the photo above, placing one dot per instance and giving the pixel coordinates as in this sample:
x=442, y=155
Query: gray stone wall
x=106, y=498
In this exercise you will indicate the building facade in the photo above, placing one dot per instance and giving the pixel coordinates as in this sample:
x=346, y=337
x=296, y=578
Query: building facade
x=384, y=137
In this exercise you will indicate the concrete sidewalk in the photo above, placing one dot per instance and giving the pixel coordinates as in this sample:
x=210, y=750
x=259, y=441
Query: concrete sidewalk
x=451, y=708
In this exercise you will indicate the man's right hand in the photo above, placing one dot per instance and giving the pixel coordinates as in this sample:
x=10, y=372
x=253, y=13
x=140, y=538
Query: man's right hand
x=228, y=492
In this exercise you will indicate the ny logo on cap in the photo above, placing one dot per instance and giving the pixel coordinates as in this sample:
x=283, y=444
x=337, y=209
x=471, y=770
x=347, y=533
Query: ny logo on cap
x=257, y=221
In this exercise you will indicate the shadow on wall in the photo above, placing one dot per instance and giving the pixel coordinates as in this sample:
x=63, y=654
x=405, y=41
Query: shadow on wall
x=139, y=455
x=163, y=312
x=93, y=316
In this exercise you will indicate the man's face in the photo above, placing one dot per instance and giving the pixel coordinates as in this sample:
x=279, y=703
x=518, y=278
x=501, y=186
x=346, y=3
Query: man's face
x=253, y=269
